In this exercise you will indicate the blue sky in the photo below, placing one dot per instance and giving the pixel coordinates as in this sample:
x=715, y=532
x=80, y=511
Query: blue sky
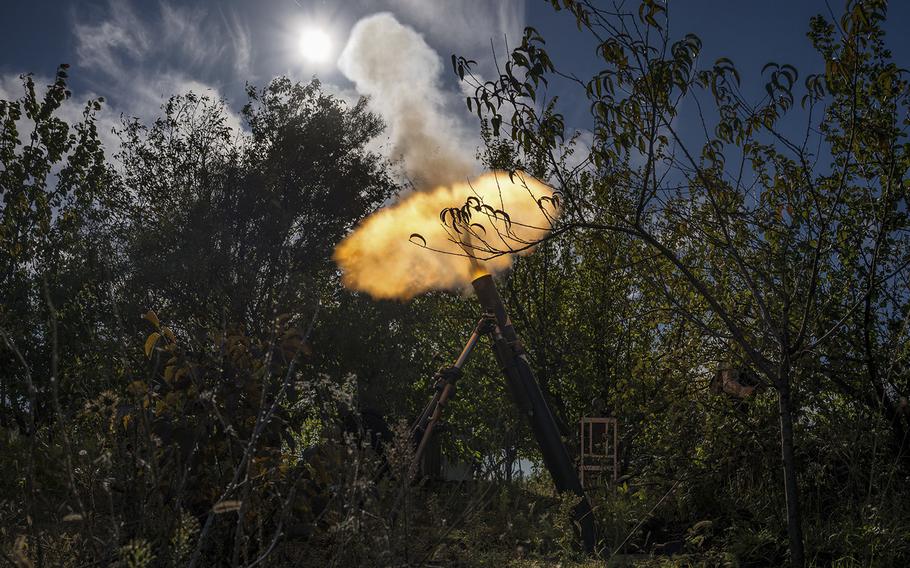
x=135, y=53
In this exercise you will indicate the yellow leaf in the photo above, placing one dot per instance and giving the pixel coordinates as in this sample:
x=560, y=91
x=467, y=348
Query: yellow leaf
x=226, y=507
x=150, y=343
x=168, y=333
x=153, y=318
x=20, y=552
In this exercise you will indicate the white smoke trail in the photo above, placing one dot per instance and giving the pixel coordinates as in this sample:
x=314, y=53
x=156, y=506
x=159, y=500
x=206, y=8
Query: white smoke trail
x=395, y=66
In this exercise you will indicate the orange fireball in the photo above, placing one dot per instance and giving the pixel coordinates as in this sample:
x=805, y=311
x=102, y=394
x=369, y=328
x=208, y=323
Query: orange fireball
x=443, y=238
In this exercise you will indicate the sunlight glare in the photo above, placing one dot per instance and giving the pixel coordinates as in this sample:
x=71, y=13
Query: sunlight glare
x=315, y=45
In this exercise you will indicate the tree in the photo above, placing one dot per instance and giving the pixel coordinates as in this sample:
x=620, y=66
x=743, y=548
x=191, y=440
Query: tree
x=230, y=238
x=228, y=235
x=57, y=195
x=766, y=240
x=241, y=224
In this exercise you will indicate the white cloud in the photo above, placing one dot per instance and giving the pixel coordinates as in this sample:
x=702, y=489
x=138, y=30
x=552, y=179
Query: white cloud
x=184, y=33
x=102, y=45
x=187, y=36
x=467, y=26
x=139, y=74
x=578, y=150
x=138, y=55
x=347, y=95
x=10, y=86
x=242, y=44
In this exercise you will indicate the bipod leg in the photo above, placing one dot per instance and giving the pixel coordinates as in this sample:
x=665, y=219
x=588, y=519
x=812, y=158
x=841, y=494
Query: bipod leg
x=445, y=389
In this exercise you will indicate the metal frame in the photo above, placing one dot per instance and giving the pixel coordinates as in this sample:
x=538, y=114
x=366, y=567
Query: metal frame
x=513, y=362
x=600, y=461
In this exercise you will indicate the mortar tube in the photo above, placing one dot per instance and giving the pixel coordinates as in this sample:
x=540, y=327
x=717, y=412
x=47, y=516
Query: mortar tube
x=514, y=364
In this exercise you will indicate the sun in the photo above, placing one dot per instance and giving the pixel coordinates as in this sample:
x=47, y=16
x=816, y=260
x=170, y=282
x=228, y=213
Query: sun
x=315, y=45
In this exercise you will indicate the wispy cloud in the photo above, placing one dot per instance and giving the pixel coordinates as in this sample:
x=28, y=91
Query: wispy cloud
x=241, y=42
x=139, y=54
x=104, y=44
x=186, y=31
x=467, y=26
x=139, y=61
x=179, y=36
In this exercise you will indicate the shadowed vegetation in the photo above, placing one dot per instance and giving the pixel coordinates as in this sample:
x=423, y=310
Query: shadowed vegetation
x=184, y=381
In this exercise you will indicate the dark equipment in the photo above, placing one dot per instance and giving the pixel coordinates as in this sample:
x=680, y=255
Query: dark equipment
x=527, y=395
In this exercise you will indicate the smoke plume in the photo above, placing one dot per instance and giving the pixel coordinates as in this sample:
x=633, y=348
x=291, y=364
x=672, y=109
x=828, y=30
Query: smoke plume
x=408, y=248
x=404, y=249
x=393, y=64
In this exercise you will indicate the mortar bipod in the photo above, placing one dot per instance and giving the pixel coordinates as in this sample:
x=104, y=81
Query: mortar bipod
x=528, y=396
x=422, y=429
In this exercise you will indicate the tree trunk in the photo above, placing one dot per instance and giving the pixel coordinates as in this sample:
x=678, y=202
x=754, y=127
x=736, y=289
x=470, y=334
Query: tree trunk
x=791, y=488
